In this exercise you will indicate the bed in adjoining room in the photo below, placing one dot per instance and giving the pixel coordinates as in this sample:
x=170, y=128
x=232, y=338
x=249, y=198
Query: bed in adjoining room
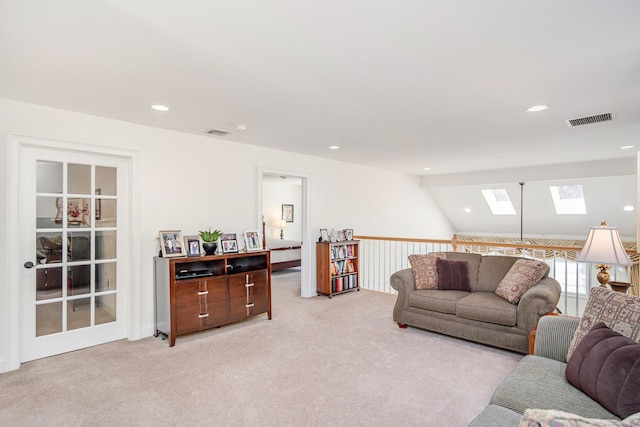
x=284, y=253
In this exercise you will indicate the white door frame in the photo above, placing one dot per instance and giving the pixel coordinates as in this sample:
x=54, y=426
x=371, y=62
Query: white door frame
x=307, y=285
x=14, y=264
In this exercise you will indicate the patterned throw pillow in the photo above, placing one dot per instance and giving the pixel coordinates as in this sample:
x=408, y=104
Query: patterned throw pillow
x=425, y=272
x=606, y=367
x=553, y=418
x=620, y=312
x=523, y=275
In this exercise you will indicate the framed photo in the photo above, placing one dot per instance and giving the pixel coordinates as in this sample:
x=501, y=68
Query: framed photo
x=348, y=234
x=229, y=246
x=193, y=245
x=172, y=244
x=287, y=213
x=340, y=237
x=324, y=235
x=252, y=240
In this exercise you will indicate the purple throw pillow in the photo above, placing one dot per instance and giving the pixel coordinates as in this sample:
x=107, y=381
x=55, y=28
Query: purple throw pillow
x=606, y=366
x=453, y=275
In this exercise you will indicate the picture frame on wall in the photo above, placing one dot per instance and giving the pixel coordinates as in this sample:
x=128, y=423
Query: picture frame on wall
x=252, y=241
x=287, y=213
x=193, y=246
x=172, y=244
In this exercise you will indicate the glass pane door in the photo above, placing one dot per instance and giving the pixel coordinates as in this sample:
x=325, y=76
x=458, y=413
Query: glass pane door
x=76, y=236
x=73, y=297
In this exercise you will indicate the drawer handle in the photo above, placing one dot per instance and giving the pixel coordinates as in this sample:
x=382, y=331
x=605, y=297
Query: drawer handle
x=202, y=316
x=249, y=285
x=250, y=305
x=203, y=293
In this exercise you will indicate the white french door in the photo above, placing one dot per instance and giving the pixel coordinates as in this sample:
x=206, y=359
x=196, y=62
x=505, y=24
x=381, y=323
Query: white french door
x=73, y=229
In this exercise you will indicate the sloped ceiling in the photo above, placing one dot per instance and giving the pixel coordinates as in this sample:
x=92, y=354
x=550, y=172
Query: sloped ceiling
x=605, y=198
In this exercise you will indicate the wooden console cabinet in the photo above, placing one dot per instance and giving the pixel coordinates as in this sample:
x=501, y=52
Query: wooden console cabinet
x=198, y=293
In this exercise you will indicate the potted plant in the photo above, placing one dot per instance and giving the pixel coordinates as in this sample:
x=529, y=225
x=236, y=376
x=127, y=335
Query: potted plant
x=209, y=239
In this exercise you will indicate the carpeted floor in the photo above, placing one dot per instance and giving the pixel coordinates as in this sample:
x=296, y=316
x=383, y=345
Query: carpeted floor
x=318, y=362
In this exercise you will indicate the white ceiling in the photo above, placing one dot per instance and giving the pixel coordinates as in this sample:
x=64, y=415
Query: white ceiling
x=400, y=85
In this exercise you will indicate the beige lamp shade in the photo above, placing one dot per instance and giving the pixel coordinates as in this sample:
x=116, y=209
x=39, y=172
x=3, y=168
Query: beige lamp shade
x=603, y=246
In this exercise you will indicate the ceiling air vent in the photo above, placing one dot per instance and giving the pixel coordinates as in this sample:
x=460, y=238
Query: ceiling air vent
x=218, y=132
x=604, y=117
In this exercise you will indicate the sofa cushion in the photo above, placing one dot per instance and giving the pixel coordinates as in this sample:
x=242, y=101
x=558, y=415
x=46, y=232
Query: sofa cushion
x=436, y=300
x=553, y=418
x=606, y=366
x=522, y=276
x=492, y=270
x=487, y=307
x=453, y=275
x=538, y=382
x=620, y=312
x=425, y=272
x=496, y=416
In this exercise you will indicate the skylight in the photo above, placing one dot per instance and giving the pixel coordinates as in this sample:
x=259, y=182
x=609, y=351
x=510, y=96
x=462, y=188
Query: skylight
x=499, y=201
x=568, y=199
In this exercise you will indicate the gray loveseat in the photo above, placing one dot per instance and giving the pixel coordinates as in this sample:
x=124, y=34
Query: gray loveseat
x=479, y=315
x=600, y=382
x=538, y=381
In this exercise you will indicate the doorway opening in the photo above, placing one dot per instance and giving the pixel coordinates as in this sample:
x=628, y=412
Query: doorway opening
x=283, y=209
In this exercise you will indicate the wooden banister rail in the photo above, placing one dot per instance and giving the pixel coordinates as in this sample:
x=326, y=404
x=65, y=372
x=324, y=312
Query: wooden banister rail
x=454, y=242
x=403, y=239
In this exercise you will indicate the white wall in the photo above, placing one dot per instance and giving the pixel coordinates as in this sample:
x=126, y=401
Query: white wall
x=276, y=192
x=224, y=195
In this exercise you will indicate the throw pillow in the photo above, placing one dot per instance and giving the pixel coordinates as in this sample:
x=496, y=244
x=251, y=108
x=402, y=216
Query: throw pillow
x=425, y=273
x=606, y=367
x=453, y=275
x=554, y=418
x=620, y=312
x=523, y=275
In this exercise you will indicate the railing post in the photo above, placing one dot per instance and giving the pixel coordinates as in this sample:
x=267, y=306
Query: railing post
x=454, y=243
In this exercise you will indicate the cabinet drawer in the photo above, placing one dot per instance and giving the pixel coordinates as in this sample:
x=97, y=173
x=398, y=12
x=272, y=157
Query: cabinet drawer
x=238, y=309
x=196, y=317
x=195, y=292
x=238, y=284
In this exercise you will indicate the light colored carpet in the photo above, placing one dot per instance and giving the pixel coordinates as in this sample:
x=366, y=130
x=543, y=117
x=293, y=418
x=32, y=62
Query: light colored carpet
x=338, y=362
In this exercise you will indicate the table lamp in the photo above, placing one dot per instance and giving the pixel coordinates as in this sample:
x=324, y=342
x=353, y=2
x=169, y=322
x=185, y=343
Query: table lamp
x=604, y=247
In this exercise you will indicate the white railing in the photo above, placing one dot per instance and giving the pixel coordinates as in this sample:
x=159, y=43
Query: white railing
x=380, y=257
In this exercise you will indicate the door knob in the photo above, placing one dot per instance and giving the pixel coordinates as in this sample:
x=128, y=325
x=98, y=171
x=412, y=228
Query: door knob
x=29, y=264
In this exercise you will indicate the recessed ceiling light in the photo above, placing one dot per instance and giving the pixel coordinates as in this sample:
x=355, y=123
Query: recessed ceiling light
x=467, y=210
x=334, y=147
x=241, y=127
x=159, y=107
x=537, y=108
x=628, y=208
x=626, y=147
x=426, y=169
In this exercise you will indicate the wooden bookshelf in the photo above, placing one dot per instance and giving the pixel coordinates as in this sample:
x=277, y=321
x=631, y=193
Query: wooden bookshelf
x=337, y=267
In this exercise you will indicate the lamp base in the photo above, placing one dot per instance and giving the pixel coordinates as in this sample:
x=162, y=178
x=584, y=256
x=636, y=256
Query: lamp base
x=603, y=277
